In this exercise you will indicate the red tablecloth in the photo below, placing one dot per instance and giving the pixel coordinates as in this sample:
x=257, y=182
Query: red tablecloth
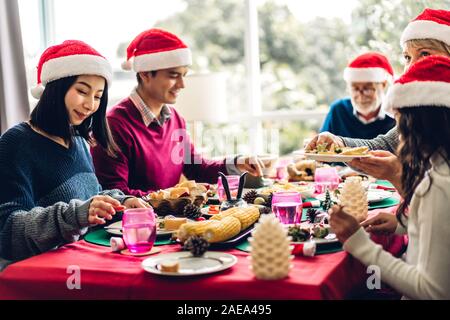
x=107, y=275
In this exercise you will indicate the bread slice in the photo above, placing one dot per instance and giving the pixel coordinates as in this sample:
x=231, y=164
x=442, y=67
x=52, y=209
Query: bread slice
x=175, y=193
x=355, y=151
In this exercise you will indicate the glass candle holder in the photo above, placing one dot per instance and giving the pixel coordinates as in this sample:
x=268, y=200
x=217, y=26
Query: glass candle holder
x=326, y=178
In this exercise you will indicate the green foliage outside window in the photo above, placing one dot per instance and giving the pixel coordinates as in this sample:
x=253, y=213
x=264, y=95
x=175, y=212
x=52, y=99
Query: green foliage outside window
x=301, y=63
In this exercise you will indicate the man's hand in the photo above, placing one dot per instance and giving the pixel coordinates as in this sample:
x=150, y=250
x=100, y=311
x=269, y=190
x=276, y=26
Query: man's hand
x=252, y=165
x=324, y=138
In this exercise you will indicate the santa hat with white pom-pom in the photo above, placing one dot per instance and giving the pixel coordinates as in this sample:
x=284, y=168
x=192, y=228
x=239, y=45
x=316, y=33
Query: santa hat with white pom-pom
x=369, y=67
x=156, y=49
x=430, y=24
x=70, y=58
x=425, y=84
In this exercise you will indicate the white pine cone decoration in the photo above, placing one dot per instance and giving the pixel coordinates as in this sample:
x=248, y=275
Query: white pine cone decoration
x=270, y=252
x=353, y=197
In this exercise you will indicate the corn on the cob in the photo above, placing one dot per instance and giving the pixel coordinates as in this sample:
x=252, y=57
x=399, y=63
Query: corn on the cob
x=247, y=216
x=225, y=213
x=226, y=228
x=194, y=228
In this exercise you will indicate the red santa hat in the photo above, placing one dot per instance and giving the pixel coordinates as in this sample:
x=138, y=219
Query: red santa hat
x=430, y=24
x=369, y=67
x=425, y=83
x=156, y=49
x=70, y=58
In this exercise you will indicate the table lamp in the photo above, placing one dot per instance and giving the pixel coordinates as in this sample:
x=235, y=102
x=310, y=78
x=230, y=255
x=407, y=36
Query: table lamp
x=203, y=100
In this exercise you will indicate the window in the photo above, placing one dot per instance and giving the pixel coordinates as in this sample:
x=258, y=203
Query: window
x=284, y=58
x=31, y=37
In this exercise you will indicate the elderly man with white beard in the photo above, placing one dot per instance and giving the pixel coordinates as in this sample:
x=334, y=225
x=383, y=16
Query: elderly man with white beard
x=361, y=115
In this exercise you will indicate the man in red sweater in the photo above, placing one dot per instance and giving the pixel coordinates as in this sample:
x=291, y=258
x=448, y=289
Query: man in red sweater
x=155, y=148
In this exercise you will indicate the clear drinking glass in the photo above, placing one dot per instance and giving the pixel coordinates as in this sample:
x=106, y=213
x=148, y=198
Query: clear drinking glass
x=139, y=229
x=287, y=206
x=326, y=177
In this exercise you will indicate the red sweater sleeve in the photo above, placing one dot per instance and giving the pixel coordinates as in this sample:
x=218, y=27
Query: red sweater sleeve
x=112, y=173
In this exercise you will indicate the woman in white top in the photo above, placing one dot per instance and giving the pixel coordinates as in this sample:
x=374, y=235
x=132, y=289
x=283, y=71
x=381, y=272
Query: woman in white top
x=420, y=101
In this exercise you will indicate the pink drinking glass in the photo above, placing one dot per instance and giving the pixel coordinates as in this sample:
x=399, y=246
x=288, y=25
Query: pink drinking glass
x=287, y=206
x=139, y=229
x=233, y=183
x=326, y=177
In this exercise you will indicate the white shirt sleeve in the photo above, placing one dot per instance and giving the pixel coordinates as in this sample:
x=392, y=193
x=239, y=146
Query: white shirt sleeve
x=426, y=274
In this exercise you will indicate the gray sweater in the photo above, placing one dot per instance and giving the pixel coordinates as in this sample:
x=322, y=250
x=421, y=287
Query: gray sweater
x=388, y=141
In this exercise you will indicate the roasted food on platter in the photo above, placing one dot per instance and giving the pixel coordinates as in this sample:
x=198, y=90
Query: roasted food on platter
x=174, y=200
x=302, y=170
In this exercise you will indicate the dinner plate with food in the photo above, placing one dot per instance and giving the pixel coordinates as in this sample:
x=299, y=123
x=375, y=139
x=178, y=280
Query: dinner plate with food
x=185, y=264
x=305, y=189
x=164, y=226
x=373, y=196
x=319, y=233
x=336, y=154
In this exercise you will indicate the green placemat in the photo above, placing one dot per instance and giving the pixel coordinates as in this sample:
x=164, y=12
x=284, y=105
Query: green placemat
x=385, y=183
x=386, y=203
x=245, y=246
x=101, y=237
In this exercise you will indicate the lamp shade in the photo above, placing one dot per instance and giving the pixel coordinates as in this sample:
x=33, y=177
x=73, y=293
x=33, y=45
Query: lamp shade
x=203, y=98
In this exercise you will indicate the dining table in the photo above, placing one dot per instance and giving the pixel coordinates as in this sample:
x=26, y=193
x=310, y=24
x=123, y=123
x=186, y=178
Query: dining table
x=87, y=270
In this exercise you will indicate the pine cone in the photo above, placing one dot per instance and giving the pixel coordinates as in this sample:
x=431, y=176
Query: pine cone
x=191, y=211
x=312, y=214
x=250, y=196
x=197, y=245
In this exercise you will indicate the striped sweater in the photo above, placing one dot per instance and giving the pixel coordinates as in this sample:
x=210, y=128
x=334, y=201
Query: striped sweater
x=388, y=141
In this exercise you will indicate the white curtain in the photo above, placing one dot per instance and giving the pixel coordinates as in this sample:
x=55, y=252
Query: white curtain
x=14, y=105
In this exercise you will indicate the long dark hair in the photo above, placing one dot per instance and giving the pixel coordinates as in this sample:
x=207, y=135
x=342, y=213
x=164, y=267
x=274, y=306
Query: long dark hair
x=424, y=131
x=50, y=115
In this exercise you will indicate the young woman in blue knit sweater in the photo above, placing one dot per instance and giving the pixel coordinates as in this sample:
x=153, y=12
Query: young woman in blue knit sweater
x=49, y=193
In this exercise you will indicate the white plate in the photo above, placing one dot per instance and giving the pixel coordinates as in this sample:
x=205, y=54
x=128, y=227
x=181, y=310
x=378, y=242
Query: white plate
x=116, y=229
x=210, y=262
x=334, y=157
x=205, y=211
x=373, y=196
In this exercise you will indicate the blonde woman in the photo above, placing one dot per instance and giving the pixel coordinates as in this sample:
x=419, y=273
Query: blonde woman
x=428, y=34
